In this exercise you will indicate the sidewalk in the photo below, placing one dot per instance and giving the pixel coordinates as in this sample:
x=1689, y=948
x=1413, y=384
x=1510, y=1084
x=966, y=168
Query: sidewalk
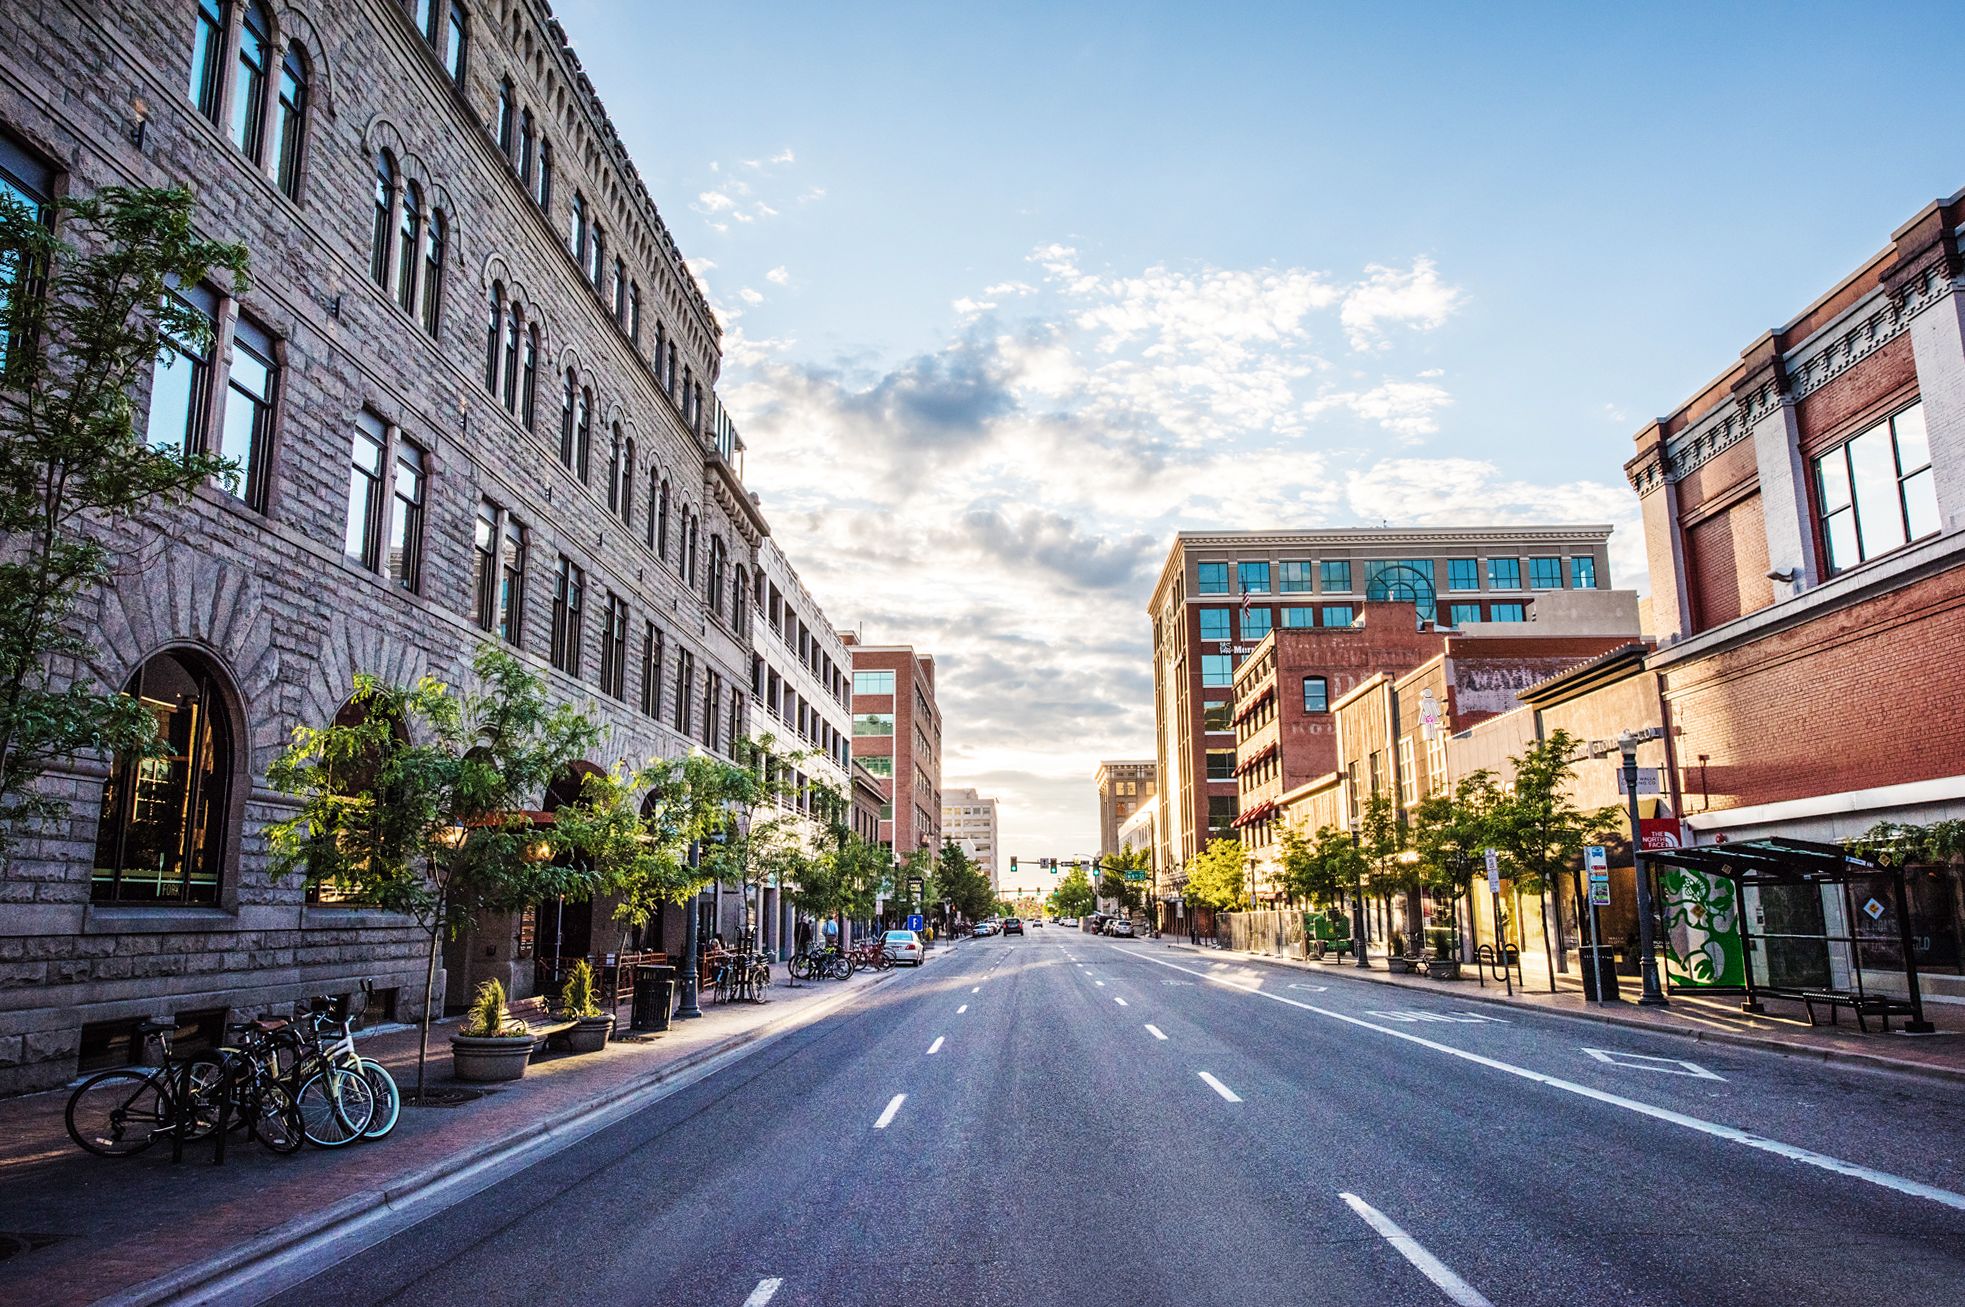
x=1783, y=1029
x=82, y=1228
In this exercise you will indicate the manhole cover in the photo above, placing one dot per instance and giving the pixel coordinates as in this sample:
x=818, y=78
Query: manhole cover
x=444, y=1097
x=13, y=1245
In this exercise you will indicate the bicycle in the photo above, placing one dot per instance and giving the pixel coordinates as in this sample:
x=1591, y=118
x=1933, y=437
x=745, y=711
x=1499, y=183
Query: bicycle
x=338, y=1093
x=120, y=1113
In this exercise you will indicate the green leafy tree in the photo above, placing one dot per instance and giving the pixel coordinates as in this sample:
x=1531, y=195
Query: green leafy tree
x=1319, y=868
x=1451, y=833
x=79, y=326
x=1114, y=882
x=963, y=884
x=1535, y=825
x=1218, y=878
x=1074, y=895
x=418, y=801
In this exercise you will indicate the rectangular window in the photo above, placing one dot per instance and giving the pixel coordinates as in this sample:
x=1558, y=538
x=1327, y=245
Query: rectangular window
x=880, y=764
x=484, y=565
x=1461, y=614
x=1296, y=578
x=361, y=539
x=1217, y=669
x=1507, y=613
x=1316, y=694
x=873, y=682
x=1221, y=764
x=1338, y=615
x=1545, y=573
x=1253, y=578
x=1255, y=623
x=1436, y=762
x=28, y=184
x=207, y=58
x=1504, y=573
x=1216, y=717
x=1299, y=617
x=1583, y=573
x=406, y=518
x=1875, y=491
x=614, y=647
x=685, y=678
x=1214, y=623
x=248, y=425
x=180, y=386
x=1337, y=577
x=873, y=723
x=1211, y=578
x=1463, y=573
x=1408, y=776
x=511, y=581
x=569, y=603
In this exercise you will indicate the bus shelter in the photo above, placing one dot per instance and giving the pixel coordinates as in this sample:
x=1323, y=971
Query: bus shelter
x=1794, y=948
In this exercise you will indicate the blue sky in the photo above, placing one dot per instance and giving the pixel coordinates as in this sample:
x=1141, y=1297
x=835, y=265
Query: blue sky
x=1012, y=292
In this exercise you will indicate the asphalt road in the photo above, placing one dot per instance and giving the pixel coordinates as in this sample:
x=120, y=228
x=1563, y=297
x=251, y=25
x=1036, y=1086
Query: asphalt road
x=1061, y=1119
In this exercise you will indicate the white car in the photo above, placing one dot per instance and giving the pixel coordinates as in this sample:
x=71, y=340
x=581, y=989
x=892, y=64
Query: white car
x=1121, y=928
x=903, y=946
x=1068, y=921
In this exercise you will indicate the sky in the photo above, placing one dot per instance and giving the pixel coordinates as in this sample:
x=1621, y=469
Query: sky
x=1012, y=293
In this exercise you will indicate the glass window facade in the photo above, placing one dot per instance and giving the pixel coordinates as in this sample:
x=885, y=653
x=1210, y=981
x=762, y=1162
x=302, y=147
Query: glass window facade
x=1217, y=669
x=1504, y=573
x=879, y=682
x=1221, y=764
x=1583, y=573
x=873, y=723
x=1545, y=573
x=1253, y=577
x=1338, y=615
x=1216, y=717
x=1875, y=492
x=1296, y=578
x=1461, y=614
x=1211, y=578
x=1256, y=623
x=1214, y=624
x=1337, y=577
x=1507, y=612
x=1299, y=617
x=1463, y=573
x=880, y=764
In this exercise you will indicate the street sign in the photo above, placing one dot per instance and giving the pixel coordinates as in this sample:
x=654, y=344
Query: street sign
x=1599, y=892
x=1596, y=857
x=914, y=921
x=914, y=887
x=1493, y=872
x=1650, y=780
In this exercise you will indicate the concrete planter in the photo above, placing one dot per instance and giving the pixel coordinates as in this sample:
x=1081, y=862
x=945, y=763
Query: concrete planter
x=482, y=1060
x=1398, y=966
x=1444, y=968
x=590, y=1034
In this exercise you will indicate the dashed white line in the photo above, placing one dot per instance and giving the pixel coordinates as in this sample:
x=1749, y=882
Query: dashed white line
x=1220, y=1088
x=1120, y=1001
x=935, y=1047
x=762, y=1293
x=1155, y=1031
x=887, y=1117
x=1099, y=983
x=964, y=1008
x=1462, y=1293
x=976, y=990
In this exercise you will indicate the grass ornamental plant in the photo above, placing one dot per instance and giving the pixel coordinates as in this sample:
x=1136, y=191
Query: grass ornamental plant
x=580, y=996
x=489, y=1018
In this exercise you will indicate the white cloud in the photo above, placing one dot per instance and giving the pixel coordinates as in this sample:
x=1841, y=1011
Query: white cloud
x=778, y=276
x=749, y=296
x=1415, y=298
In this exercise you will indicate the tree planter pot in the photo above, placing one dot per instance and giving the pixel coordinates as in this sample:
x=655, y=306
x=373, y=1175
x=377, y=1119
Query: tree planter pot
x=1398, y=966
x=481, y=1060
x=1444, y=968
x=589, y=1034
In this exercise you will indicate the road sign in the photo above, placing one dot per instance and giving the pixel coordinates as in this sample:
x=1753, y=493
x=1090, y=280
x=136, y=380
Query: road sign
x=1493, y=872
x=1599, y=892
x=914, y=887
x=1596, y=857
x=914, y=922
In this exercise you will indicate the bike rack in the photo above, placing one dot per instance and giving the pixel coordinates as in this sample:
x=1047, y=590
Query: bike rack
x=1486, y=960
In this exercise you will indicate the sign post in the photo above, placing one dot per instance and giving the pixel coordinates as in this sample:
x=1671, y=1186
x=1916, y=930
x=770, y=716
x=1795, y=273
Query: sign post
x=1596, y=864
x=1500, y=931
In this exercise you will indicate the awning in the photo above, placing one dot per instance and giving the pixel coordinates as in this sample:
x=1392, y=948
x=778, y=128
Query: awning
x=1255, y=759
x=1771, y=862
x=1255, y=814
x=1266, y=692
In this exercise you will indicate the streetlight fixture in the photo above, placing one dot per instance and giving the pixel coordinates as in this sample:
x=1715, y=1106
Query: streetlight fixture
x=1652, y=996
x=687, y=1007
x=1358, y=943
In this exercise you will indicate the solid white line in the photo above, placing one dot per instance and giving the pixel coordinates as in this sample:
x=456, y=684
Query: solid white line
x=935, y=1047
x=1220, y=1088
x=1154, y=1031
x=893, y=1106
x=1807, y=1156
x=1120, y=1001
x=762, y=1293
x=1461, y=1292
x=964, y=1008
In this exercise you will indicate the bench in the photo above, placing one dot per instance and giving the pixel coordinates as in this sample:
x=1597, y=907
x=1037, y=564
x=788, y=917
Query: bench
x=1863, y=1005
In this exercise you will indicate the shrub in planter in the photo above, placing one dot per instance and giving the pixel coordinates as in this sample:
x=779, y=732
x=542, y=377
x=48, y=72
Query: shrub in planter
x=580, y=1000
x=490, y=1045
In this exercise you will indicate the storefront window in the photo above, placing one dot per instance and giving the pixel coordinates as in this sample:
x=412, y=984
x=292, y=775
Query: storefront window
x=162, y=830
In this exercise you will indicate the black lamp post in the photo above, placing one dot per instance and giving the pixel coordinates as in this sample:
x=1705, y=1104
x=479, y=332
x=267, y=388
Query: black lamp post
x=1652, y=996
x=686, y=1005
x=1358, y=904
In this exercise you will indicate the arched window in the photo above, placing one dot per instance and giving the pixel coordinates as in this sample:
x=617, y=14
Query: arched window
x=569, y=401
x=409, y=242
x=620, y=291
x=529, y=381
x=661, y=347
x=494, y=331
x=614, y=471
x=507, y=124
x=654, y=523
x=628, y=482
x=161, y=837
x=583, y=437
x=385, y=217
x=249, y=92
x=668, y=382
x=634, y=312
x=737, y=595
x=597, y=257
x=433, y=243
x=290, y=121
x=716, y=574
x=207, y=56
x=662, y=524
x=512, y=337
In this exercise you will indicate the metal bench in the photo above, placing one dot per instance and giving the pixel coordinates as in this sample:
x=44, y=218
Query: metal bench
x=1864, y=1006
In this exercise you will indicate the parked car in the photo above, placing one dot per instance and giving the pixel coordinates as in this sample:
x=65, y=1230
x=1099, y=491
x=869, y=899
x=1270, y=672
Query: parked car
x=903, y=946
x=984, y=929
x=1068, y=921
x=1120, y=927
x=1037, y=922
x=1013, y=927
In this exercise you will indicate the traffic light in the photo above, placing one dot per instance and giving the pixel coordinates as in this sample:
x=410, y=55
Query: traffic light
x=1013, y=864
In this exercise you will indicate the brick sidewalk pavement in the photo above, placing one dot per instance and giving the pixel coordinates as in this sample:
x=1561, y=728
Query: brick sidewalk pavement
x=102, y=1226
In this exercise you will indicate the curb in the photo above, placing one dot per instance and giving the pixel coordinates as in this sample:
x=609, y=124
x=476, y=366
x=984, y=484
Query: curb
x=1851, y=1058
x=186, y=1282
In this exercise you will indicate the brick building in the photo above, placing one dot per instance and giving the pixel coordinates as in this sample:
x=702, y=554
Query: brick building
x=1804, y=519
x=471, y=384
x=1124, y=787
x=1221, y=592
x=897, y=735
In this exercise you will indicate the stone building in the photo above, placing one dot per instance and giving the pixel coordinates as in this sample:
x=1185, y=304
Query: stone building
x=970, y=820
x=1124, y=788
x=471, y=387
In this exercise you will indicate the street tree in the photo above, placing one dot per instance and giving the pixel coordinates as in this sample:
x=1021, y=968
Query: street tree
x=962, y=884
x=1451, y=833
x=80, y=324
x=1122, y=877
x=1537, y=827
x=418, y=799
x=1217, y=877
x=1314, y=869
x=1074, y=895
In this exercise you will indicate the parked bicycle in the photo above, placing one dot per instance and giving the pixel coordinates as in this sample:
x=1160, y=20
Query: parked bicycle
x=121, y=1113
x=826, y=961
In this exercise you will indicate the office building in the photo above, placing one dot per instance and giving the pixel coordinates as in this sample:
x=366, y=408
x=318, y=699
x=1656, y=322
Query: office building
x=897, y=735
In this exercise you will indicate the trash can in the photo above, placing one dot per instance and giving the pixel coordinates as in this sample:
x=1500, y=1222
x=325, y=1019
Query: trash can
x=1599, y=973
x=654, y=999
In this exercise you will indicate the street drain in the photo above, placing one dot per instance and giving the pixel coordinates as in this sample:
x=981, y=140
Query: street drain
x=13, y=1245
x=444, y=1097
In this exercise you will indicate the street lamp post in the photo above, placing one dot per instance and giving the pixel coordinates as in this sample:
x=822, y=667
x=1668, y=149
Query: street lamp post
x=686, y=1005
x=1652, y=996
x=1358, y=943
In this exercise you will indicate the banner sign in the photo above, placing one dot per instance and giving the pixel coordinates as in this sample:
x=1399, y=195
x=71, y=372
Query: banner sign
x=1702, y=930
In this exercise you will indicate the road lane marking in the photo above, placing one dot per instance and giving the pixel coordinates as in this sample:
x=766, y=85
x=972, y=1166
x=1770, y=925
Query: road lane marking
x=1671, y=1066
x=1882, y=1179
x=964, y=1008
x=1099, y=983
x=1461, y=1292
x=935, y=1047
x=762, y=1293
x=1154, y=1031
x=1454, y=1018
x=1120, y=1001
x=1219, y=1088
x=976, y=990
x=887, y=1117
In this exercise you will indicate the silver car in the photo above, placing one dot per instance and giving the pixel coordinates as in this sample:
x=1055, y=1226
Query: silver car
x=903, y=946
x=1121, y=927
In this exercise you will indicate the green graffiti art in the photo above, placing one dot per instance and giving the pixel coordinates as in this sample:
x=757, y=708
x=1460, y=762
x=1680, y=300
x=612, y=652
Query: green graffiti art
x=1702, y=930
